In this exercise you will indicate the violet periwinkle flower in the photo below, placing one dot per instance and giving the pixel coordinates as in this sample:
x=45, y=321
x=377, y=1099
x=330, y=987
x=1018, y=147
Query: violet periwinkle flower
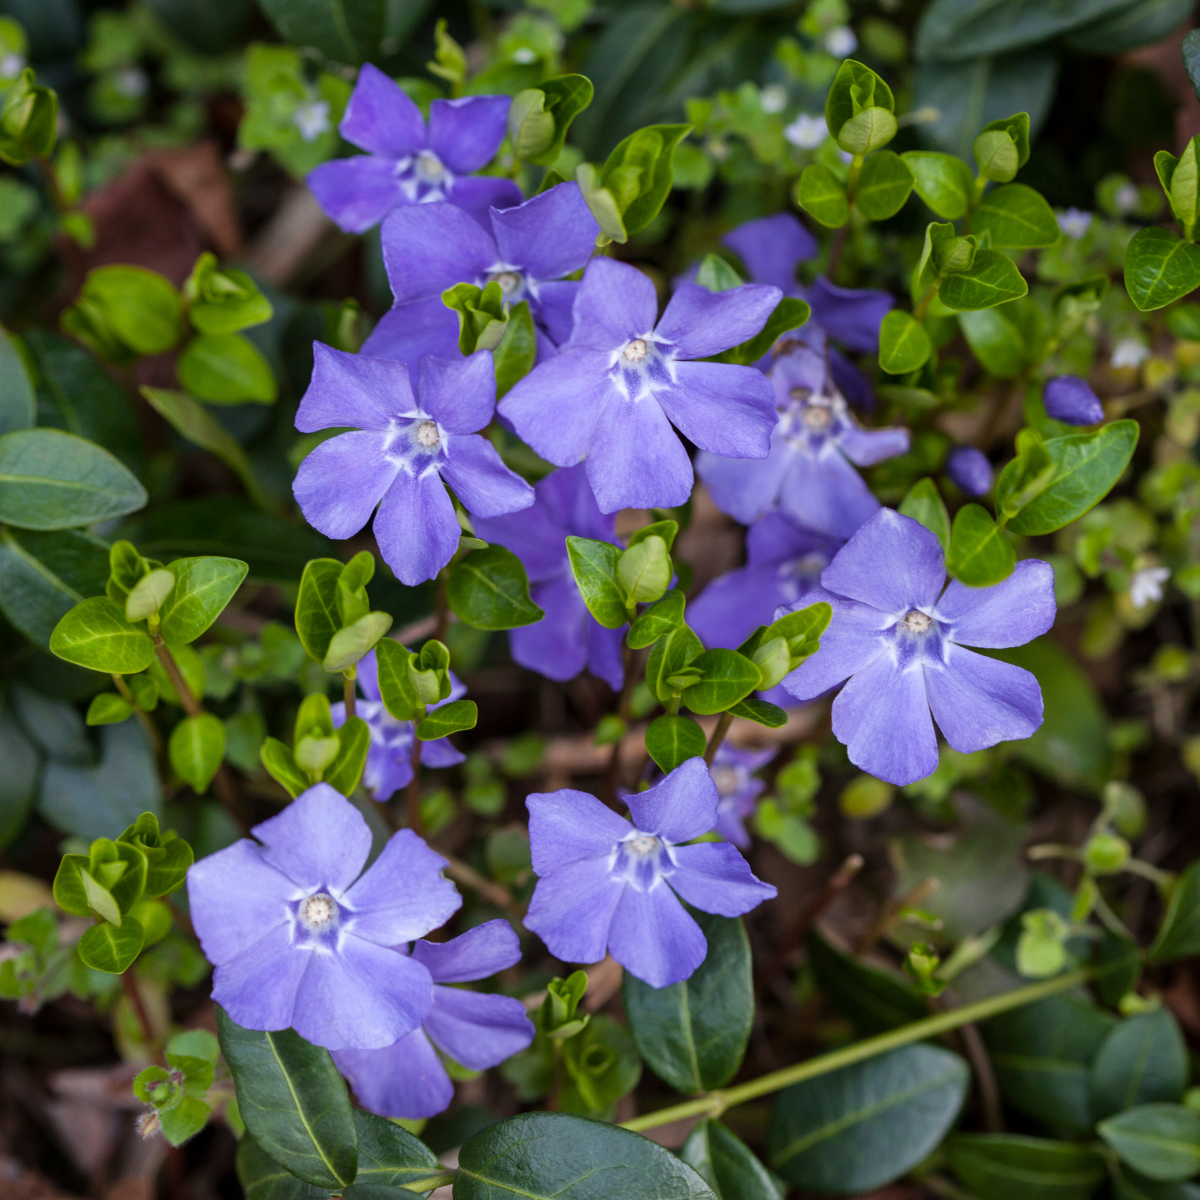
x=621, y=381
x=389, y=757
x=568, y=638
x=606, y=884
x=970, y=470
x=400, y=449
x=783, y=563
x=1069, y=399
x=409, y=163
x=301, y=936
x=808, y=473
x=899, y=639
x=738, y=788
x=476, y=1029
x=526, y=249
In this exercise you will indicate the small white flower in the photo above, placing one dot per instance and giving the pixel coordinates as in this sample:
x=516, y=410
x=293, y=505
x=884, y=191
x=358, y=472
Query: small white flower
x=524, y=55
x=841, y=42
x=1126, y=198
x=1146, y=586
x=1074, y=223
x=773, y=99
x=11, y=65
x=312, y=119
x=1129, y=352
x=806, y=132
x=131, y=82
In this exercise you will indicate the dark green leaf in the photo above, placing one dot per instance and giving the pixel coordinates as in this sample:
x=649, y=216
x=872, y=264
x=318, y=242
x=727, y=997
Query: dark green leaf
x=1161, y=1141
x=875, y=1000
x=450, y=718
x=347, y=31
x=943, y=181
x=389, y=1156
x=1142, y=1061
x=1160, y=267
x=960, y=29
x=673, y=740
x=262, y=1178
x=725, y=678
x=293, y=1102
x=594, y=565
x=317, y=616
x=196, y=748
x=226, y=368
x=992, y=279
x=18, y=405
x=515, y=356
x=883, y=186
x=727, y=1164
x=760, y=711
x=863, y=1126
x=671, y=654
x=903, y=343
x=823, y=196
x=490, y=590
x=924, y=504
x=639, y=173
x=203, y=587
x=346, y=770
x=111, y=948
x=694, y=1034
x=995, y=340
x=553, y=1156
x=538, y=127
x=1001, y=1166
x=18, y=781
x=1179, y=933
x=43, y=575
x=1017, y=217
x=980, y=555
x=95, y=634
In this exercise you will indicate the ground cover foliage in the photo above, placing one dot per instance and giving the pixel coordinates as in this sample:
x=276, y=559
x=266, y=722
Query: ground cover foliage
x=599, y=600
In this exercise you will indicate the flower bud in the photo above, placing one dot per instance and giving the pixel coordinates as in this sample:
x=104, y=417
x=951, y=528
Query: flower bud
x=314, y=754
x=644, y=570
x=148, y=594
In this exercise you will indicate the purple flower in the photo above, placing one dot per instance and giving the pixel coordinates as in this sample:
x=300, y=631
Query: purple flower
x=1069, y=399
x=407, y=163
x=605, y=884
x=733, y=773
x=476, y=1029
x=568, y=638
x=970, y=470
x=899, y=638
x=300, y=938
x=808, y=473
x=783, y=563
x=389, y=758
x=526, y=249
x=400, y=450
x=619, y=383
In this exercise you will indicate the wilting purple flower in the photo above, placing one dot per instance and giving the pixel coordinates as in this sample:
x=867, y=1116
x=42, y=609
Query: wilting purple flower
x=733, y=773
x=399, y=451
x=300, y=938
x=899, y=638
x=1069, y=399
x=408, y=163
x=568, y=638
x=616, y=387
x=527, y=249
x=389, y=758
x=970, y=470
x=476, y=1029
x=605, y=884
x=807, y=474
x=783, y=563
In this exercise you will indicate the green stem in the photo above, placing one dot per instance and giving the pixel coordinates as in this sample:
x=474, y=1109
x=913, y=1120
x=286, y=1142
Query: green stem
x=856, y=165
x=715, y=1103
x=718, y=736
x=926, y=300
x=430, y=1182
x=348, y=690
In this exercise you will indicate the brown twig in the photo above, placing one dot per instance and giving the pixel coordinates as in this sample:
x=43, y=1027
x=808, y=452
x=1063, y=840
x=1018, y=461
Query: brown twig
x=129, y=985
x=467, y=876
x=349, y=690
x=412, y=793
x=143, y=717
x=798, y=931
x=718, y=736
x=890, y=913
x=985, y=1077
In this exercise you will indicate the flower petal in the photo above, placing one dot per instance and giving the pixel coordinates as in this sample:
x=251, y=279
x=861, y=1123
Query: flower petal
x=849, y=315
x=978, y=701
x=882, y=718
x=654, y=939
x=1009, y=613
x=892, y=563
x=388, y=770
x=635, y=459
x=477, y=195
x=555, y=646
x=466, y=133
x=772, y=248
x=235, y=899
x=476, y=472
x=775, y=540
x=405, y=1079
x=605, y=653
x=416, y=327
x=353, y=390
x=681, y=806
x=381, y=117
x=550, y=235
x=476, y=954
x=732, y=607
x=715, y=878
x=356, y=193
x=699, y=322
x=866, y=447
x=416, y=528
x=430, y=247
x=572, y=909
x=746, y=488
x=824, y=493
x=320, y=840
x=554, y=308
x=850, y=643
x=477, y=1029
x=614, y=304
x=258, y=988
x=458, y=393
x=341, y=480
x=722, y=408
x=402, y=895
x=568, y=827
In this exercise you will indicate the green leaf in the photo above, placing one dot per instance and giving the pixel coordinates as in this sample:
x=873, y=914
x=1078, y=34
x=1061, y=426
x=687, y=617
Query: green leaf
x=397, y=684
x=594, y=565
x=317, y=616
x=141, y=307
x=490, y=590
x=998, y=1166
x=980, y=555
x=111, y=948
x=995, y=340
x=95, y=634
x=644, y=570
x=554, y=1156
x=54, y=480
x=167, y=855
x=293, y=1101
x=1160, y=267
x=203, y=587
x=863, y=1126
x=1179, y=933
x=671, y=740
x=1161, y=1141
x=517, y=352
x=482, y=320
x=671, y=654
x=226, y=368
x=18, y=405
x=924, y=504
x=823, y=196
x=992, y=279
x=262, y=1178
x=761, y=711
x=1087, y=466
x=1142, y=1061
x=884, y=184
x=602, y=1066
x=788, y=314
x=450, y=718
x=184, y=1120
x=1017, y=217
x=69, y=892
x=223, y=300
x=44, y=575
x=639, y=173
x=280, y=764
x=351, y=644
x=874, y=999
x=664, y=530
x=854, y=89
x=108, y=709
x=389, y=1156
x=656, y=621
x=725, y=678
x=694, y=1034
x=196, y=748
x=903, y=343
x=943, y=181
x=540, y=117
x=717, y=275
x=726, y=1163
x=347, y=31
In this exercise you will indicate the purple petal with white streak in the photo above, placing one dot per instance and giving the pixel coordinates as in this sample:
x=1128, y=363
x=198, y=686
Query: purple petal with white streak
x=614, y=304
x=416, y=528
x=356, y=193
x=979, y=701
x=635, y=459
x=715, y=878
x=654, y=939
x=722, y=408
x=341, y=480
x=258, y=988
x=352, y=390
x=458, y=393
x=699, y=322
x=320, y=840
x=430, y=247
x=227, y=930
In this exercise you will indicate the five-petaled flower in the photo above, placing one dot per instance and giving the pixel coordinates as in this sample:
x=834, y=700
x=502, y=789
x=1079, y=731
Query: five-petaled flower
x=899, y=639
x=409, y=163
x=477, y=1030
x=618, y=384
x=738, y=787
x=301, y=936
x=399, y=450
x=606, y=884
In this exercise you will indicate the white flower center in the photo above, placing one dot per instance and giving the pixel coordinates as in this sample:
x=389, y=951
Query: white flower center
x=509, y=281
x=726, y=780
x=427, y=435
x=917, y=622
x=319, y=911
x=643, y=844
x=817, y=417
x=636, y=351
x=429, y=167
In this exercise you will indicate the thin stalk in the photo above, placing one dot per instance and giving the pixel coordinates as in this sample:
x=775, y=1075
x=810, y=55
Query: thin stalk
x=715, y=1103
x=612, y=773
x=147, y=725
x=349, y=690
x=129, y=985
x=412, y=793
x=718, y=736
x=430, y=1182
x=924, y=303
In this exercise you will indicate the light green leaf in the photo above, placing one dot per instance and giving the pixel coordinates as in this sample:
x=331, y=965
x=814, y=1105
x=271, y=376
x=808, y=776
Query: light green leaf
x=1160, y=267
x=943, y=181
x=196, y=748
x=349, y=645
x=111, y=948
x=903, y=343
x=108, y=709
x=226, y=368
x=203, y=588
x=448, y=719
x=95, y=634
x=725, y=678
x=317, y=616
x=515, y=355
x=995, y=340
x=1017, y=217
x=992, y=279
x=490, y=590
x=823, y=196
x=924, y=504
x=671, y=740
x=884, y=184
x=594, y=565
x=1179, y=933
x=980, y=555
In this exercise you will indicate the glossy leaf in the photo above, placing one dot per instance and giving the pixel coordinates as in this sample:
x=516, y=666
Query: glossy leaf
x=924, y=504
x=95, y=634
x=671, y=740
x=280, y=764
x=980, y=555
x=196, y=748
x=884, y=184
x=1160, y=1141
x=1144, y=1060
x=594, y=565
x=515, y=355
x=656, y=621
x=762, y=712
x=725, y=678
x=111, y=948
x=1000, y=1166
x=262, y=1178
x=1179, y=933
x=854, y=88
x=670, y=656
x=874, y=999
x=823, y=196
x=992, y=279
x=943, y=181
x=726, y=1163
x=490, y=590
x=317, y=616
x=44, y=575
x=564, y=98
x=995, y=340
x=693, y=1034
x=1160, y=267
x=396, y=682
x=18, y=405
x=450, y=718
x=203, y=588
x=1017, y=217
x=639, y=172
x=903, y=343
x=226, y=368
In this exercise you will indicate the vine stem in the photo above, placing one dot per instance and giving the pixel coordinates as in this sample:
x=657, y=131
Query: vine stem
x=715, y=1103
x=718, y=736
x=348, y=691
x=129, y=985
x=142, y=716
x=412, y=793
